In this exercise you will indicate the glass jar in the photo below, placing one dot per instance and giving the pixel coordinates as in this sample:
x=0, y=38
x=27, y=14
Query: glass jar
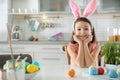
x=112, y=34
x=15, y=69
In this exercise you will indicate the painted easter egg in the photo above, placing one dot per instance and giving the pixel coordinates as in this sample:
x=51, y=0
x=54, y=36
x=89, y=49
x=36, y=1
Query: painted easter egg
x=71, y=73
x=118, y=71
x=100, y=70
x=93, y=71
x=30, y=68
x=112, y=74
x=36, y=63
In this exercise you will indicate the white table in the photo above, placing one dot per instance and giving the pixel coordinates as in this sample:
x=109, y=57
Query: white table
x=60, y=73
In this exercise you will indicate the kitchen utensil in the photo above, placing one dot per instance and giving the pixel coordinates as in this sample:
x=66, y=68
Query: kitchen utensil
x=16, y=33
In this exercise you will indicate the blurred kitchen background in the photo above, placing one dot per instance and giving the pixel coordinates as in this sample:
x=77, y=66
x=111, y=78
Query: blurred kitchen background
x=45, y=18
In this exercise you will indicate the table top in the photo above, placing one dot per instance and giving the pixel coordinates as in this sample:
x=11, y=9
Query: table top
x=60, y=73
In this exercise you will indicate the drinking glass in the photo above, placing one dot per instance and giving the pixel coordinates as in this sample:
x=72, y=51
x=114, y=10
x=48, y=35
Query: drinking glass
x=15, y=69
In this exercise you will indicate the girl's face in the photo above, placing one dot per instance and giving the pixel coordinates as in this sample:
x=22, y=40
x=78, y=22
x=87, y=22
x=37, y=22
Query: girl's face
x=82, y=29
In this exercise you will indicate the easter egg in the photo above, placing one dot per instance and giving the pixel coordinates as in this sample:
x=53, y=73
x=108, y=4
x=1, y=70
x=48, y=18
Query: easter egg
x=71, y=73
x=100, y=71
x=31, y=36
x=11, y=66
x=19, y=65
x=30, y=68
x=92, y=66
x=26, y=64
x=118, y=71
x=112, y=74
x=4, y=66
x=36, y=39
x=30, y=39
x=36, y=63
x=93, y=71
x=36, y=68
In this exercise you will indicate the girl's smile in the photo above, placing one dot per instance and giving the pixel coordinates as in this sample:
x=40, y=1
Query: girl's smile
x=82, y=29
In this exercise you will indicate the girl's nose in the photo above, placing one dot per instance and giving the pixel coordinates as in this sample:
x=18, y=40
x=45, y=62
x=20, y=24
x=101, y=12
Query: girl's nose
x=82, y=32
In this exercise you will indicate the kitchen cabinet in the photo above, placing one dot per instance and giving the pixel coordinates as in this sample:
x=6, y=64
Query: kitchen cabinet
x=45, y=54
x=54, y=5
x=82, y=3
x=17, y=49
x=38, y=6
x=23, y=6
x=109, y=6
x=49, y=55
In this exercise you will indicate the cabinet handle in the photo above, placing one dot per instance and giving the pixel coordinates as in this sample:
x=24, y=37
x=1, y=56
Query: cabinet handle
x=51, y=58
x=51, y=48
x=17, y=47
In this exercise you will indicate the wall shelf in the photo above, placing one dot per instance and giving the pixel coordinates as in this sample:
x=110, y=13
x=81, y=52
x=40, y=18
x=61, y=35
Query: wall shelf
x=40, y=15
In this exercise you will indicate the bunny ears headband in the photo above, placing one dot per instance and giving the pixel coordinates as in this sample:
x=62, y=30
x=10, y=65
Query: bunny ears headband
x=90, y=9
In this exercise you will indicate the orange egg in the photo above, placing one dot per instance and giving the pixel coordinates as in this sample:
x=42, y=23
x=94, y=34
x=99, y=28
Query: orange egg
x=71, y=73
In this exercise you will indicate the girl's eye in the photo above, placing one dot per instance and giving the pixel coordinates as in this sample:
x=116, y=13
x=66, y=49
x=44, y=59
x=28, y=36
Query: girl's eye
x=86, y=28
x=79, y=29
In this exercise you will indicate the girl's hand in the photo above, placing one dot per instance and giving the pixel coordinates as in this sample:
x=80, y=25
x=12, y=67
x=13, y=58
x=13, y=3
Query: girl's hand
x=77, y=38
x=88, y=39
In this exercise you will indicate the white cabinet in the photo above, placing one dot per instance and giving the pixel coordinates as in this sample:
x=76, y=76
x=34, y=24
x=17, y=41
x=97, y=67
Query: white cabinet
x=23, y=6
x=17, y=49
x=50, y=55
x=38, y=6
x=45, y=54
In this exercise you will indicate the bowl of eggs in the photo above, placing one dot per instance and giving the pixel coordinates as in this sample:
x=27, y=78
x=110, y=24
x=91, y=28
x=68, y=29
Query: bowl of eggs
x=31, y=70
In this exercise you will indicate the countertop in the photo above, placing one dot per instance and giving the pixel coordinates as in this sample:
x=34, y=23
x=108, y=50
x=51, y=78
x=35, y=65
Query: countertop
x=35, y=42
x=41, y=42
x=60, y=73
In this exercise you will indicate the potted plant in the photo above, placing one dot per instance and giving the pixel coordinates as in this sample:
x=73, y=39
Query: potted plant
x=111, y=52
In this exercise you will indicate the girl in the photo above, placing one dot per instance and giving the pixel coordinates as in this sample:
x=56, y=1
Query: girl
x=83, y=47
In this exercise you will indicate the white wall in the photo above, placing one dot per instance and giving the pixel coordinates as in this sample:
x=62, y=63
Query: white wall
x=100, y=22
x=65, y=24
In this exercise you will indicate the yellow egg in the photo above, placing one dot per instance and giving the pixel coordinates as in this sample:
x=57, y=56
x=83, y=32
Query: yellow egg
x=92, y=66
x=31, y=36
x=118, y=71
x=36, y=68
x=11, y=66
x=19, y=64
x=30, y=68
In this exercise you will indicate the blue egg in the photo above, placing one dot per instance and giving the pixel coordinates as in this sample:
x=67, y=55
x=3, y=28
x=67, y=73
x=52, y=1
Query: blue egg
x=36, y=63
x=18, y=67
x=30, y=39
x=112, y=74
x=93, y=71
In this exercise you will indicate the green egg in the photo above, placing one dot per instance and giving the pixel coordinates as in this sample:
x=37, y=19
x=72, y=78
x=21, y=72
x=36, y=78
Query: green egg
x=26, y=64
x=4, y=66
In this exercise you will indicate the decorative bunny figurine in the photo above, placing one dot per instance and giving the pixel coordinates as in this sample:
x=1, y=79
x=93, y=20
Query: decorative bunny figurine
x=89, y=10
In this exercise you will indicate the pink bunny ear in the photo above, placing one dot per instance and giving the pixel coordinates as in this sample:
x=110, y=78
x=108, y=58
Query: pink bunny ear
x=75, y=9
x=90, y=9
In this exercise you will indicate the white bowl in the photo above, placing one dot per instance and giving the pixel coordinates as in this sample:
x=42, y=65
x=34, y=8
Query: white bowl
x=29, y=76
